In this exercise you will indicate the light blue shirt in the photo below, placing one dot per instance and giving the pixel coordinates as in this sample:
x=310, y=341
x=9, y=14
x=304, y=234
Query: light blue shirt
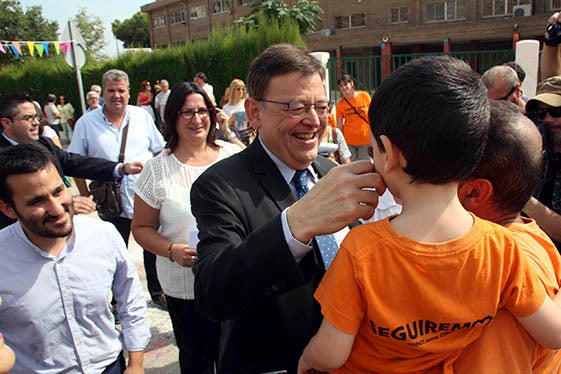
x=55, y=312
x=95, y=136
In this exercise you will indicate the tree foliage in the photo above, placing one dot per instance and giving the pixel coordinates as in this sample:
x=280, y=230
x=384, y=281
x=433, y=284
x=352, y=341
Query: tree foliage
x=92, y=30
x=133, y=32
x=19, y=25
x=306, y=13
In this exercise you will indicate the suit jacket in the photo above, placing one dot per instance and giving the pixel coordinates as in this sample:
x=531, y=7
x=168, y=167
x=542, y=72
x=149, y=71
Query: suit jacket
x=245, y=275
x=70, y=164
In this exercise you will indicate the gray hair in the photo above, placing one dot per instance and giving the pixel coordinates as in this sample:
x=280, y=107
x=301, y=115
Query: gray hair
x=115, y=75
x=500, y=73
x=92, y=94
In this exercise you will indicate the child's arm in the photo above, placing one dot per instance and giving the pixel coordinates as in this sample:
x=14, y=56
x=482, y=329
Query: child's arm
x=545, y=324
x=328, y=349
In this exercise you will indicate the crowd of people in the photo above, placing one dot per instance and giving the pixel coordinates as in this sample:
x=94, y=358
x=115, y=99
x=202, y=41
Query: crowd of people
x=413, y=230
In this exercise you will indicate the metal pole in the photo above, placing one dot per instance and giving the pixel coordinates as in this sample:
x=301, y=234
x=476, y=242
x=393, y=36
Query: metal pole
x=78, y=73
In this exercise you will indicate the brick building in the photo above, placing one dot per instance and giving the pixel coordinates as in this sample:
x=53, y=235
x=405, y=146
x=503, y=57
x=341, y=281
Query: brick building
x=358, y=27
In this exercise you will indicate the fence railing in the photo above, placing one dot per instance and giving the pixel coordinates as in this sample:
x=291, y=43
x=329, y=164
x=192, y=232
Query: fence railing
x=368, y=73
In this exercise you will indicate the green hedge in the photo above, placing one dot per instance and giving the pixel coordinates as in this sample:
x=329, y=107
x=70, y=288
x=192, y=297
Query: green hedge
x=225, y=55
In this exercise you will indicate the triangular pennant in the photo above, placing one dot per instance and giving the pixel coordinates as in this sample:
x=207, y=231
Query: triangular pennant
x=64, y=46
x=2, y=48
x=16, y=49
x=31, y=46
x=57, y=47
x=40, y=49
x=46, y=47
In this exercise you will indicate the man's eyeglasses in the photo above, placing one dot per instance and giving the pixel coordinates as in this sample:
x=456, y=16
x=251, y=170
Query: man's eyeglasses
x=28, y=118
x=299, y=110
x=554, y=112
x=509, y=93
x=189, y=113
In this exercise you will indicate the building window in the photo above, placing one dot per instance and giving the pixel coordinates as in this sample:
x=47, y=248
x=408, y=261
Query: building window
x=399, y=15
x=554, y=4
x=197, y=12
x=438, y=11
x=504, y=7
x=159, y=22
x=350, y=21
x=177, y=16
x=244, y=2
x=220, y=6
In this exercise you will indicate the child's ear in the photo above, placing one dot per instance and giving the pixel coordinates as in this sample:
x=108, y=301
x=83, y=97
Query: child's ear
x=394, y=156
x=476, y=193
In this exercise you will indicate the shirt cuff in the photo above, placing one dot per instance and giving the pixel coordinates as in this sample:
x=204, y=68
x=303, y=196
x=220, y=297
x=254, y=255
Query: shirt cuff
x=117, y=171
x=297, y=248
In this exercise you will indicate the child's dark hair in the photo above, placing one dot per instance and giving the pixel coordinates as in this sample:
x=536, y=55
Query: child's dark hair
x=435, y=110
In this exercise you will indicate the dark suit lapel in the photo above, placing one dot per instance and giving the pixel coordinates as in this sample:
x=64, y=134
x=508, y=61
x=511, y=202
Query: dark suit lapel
x=4, y=143
x=270, y=177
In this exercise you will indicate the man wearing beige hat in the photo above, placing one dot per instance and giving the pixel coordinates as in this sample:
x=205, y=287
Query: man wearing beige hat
x=545, y=108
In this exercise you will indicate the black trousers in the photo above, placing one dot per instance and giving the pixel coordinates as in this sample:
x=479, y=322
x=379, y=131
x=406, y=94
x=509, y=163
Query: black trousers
x=197, y=338
x=123, y=225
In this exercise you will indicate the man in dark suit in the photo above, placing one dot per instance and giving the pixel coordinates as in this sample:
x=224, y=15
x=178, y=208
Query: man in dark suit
x=20, y=125
x=258, y=262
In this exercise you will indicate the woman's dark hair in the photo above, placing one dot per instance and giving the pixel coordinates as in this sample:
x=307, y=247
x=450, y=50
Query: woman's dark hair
x=143, y=85
x=174, y=104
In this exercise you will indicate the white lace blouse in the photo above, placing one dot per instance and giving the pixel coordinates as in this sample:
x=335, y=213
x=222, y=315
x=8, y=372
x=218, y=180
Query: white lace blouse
x=165, y=184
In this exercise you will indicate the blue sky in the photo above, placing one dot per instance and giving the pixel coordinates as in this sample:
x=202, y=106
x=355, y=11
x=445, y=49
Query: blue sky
x=107, y=10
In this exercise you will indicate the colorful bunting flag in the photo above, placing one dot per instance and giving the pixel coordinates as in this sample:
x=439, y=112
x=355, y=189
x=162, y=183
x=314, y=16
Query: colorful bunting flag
x=16, y=49
x=40, y=49
x=57, y=47
x=46, y=47
x=64, y=46
x=30, y=46
x=2, y=48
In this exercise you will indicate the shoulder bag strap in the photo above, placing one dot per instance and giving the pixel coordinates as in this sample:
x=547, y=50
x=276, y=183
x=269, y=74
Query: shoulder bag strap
x=124, y=143
x=356, y=111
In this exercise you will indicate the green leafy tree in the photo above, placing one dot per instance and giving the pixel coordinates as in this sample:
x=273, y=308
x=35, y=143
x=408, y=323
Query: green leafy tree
x=92, y=30
x=19, y=25
x=306, y=13
x=133, y=32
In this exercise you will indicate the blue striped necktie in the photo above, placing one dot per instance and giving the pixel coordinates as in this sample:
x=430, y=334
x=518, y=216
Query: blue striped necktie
x=327, y=244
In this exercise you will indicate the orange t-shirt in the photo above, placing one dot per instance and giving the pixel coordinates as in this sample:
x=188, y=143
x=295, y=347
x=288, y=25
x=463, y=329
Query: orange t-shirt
x=355, y=129
x=413, y=306
x=504, y=346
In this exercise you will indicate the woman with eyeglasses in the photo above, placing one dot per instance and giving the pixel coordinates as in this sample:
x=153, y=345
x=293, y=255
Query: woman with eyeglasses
x=235, y=109
x=145, y=97
x=163, y=223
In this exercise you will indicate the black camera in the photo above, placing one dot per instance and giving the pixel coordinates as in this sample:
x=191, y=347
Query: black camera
x=552, y=35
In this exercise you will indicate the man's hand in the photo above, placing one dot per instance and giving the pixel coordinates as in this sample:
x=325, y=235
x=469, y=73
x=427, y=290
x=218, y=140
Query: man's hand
x=83, y=205
x=136, y=363
x=341, y=197
x=131, y=168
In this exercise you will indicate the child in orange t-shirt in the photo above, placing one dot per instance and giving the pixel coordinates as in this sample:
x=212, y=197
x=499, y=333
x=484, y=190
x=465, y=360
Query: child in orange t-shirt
x=406, y=294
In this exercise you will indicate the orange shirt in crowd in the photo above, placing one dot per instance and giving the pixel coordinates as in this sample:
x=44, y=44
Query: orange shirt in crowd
x=414, y=306
x=504, y=346
x=355, y=129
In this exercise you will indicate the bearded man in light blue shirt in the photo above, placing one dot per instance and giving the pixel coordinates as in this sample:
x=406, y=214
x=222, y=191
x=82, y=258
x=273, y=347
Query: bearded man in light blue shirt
x=56, y=273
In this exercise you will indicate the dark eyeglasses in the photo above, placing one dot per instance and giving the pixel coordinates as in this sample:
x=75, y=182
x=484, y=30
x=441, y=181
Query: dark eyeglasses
x=189, y=113
x=509, y=93
x=299, y=110
x=28, y=118
x=554, y=112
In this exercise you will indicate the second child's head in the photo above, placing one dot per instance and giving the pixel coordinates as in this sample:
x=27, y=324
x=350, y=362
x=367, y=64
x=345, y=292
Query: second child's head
x=435, y=111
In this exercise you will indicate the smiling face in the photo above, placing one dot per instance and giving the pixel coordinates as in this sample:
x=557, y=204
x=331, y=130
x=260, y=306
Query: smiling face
x=294, y=141
x=196, y=129
x=23, y=127
x=116, y=95
x=41, y=203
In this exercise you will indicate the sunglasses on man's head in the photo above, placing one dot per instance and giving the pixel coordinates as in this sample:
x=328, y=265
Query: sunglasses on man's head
x=554, y=112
